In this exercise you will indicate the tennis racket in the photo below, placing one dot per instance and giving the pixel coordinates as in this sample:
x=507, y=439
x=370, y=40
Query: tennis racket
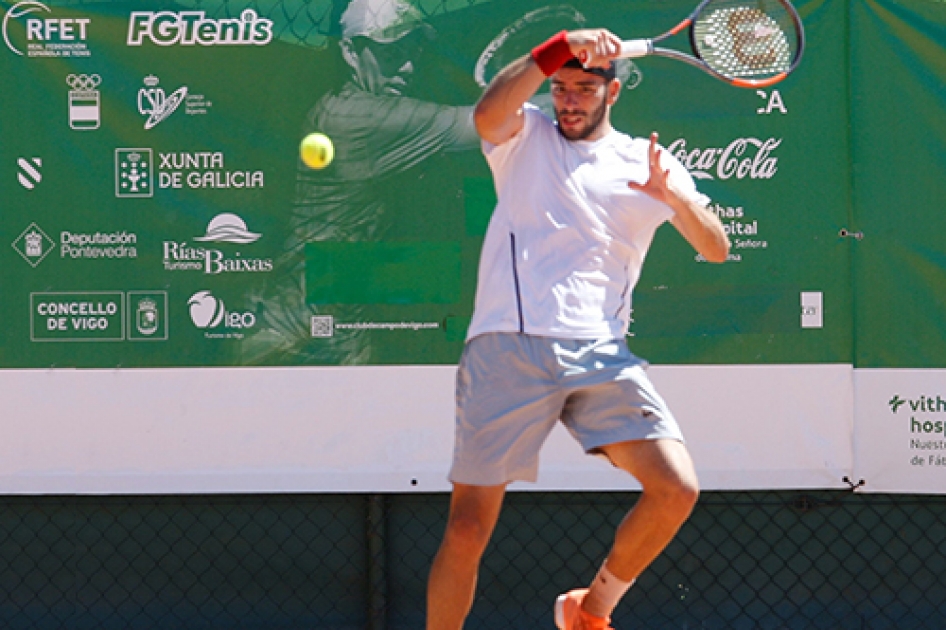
x=747, y=43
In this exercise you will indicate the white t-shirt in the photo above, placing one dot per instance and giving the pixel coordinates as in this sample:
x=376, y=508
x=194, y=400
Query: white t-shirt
x=567, y=240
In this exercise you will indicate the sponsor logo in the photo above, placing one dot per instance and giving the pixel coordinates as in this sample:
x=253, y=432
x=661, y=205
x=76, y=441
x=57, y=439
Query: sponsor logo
x=147, y=314
x=33, y=245
x=134, y=173
x=194, y=28
x=146, y=320
x=734, y=220
x=923, y=404
x=228, y=228
x=210, y=314
x=743, y=232
x=224, y=228
x=155, y=104
x=98, y=245
x=773, y=102
x=927, y=423
x=79, y=316
x=45, y=36
x=742, y=158
x=98, y=316
x=203, y=169
x=135, y=168
x=29, y=174
x=85, y=110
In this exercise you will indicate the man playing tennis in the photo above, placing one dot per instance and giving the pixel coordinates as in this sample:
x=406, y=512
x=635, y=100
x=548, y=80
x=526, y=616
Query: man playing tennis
x=579, y=203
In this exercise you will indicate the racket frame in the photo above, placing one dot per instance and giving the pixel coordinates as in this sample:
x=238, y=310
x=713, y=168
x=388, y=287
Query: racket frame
x=635, y=48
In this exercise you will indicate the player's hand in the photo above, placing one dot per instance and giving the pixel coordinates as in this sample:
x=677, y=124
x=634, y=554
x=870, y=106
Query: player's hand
x=658, y=182
x=594, y=46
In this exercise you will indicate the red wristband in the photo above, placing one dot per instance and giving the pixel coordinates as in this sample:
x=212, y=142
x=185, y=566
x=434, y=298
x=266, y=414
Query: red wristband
x=552, y=54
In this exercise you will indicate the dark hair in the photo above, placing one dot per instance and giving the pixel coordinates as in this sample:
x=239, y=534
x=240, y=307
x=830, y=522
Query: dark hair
x=609, y=73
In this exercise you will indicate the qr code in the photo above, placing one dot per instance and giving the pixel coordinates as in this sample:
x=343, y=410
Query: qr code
x=323, y=326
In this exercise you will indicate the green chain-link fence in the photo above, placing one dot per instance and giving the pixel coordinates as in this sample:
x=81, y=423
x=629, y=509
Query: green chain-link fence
x=744, y=560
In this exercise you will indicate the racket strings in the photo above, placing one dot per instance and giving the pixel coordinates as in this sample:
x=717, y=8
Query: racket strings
x=745, y=39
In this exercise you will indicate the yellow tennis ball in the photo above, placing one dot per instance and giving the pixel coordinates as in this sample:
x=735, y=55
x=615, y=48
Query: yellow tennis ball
x=317, y=150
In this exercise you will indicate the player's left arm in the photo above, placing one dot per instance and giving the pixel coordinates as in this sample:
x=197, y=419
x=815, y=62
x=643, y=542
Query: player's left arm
x=700, y=227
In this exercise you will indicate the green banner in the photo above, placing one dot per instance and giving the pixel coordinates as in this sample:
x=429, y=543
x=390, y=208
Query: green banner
x=151, y=153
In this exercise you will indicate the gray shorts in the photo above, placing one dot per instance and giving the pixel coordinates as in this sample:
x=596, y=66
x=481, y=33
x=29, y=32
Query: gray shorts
x=512, y=388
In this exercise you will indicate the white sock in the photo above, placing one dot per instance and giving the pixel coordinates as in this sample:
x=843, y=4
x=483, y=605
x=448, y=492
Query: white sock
x=609, y=589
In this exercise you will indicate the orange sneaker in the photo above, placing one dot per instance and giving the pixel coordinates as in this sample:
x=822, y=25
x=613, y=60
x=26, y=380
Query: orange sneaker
x=570, y=616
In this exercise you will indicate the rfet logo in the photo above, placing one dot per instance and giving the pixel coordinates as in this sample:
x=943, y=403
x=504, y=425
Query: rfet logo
x=44, y=36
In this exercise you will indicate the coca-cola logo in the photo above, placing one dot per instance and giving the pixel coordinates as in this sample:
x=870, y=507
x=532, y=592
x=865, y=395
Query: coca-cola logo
x=742, y=158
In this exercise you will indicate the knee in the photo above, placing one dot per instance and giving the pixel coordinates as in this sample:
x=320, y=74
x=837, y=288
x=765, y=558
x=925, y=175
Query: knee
x=686, y=494
x=467, y=535
x=677, y=494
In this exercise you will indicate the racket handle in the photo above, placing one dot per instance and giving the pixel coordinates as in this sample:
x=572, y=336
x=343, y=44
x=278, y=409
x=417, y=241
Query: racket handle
x=636, y=48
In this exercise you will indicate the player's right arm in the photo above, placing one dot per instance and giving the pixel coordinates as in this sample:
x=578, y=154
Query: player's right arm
x=498, y=115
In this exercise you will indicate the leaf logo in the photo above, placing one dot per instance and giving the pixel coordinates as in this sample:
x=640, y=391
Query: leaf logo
x=895, y=403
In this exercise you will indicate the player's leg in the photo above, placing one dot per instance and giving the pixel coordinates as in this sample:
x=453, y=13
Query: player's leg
x=613, y=409
x=670, y=489
x=507, y=404
x=474, y=511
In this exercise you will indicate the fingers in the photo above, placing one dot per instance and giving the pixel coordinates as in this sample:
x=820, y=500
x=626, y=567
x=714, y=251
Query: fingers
x=607, y=46
x=658, y=177
x=654, y=154
x=595, y=47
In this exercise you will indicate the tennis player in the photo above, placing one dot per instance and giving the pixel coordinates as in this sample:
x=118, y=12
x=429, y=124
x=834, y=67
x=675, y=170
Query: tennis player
x=578, y=205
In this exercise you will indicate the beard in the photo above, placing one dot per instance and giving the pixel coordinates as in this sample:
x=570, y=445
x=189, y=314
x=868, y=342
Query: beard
x=594, y=121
